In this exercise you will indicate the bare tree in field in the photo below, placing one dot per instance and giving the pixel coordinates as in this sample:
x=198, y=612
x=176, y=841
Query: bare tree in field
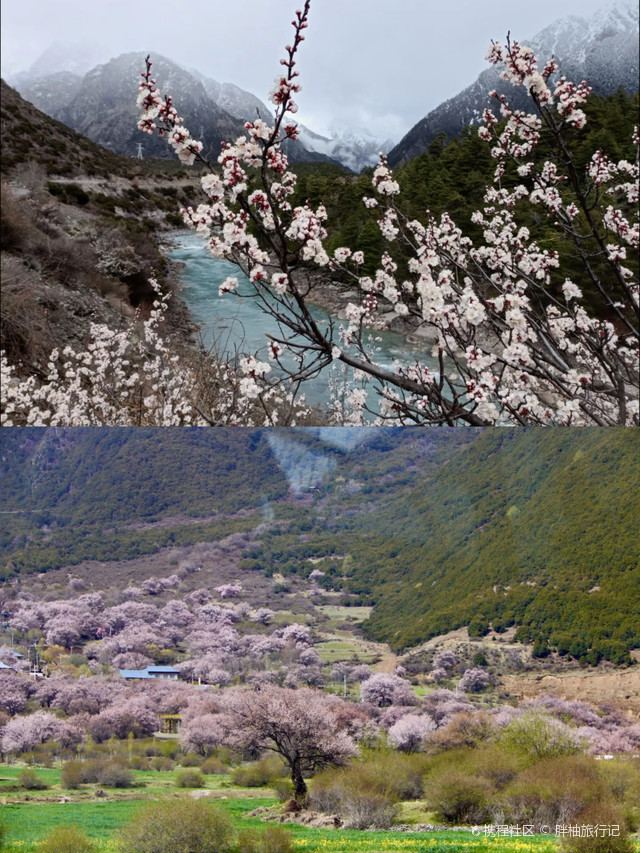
x=299, y=725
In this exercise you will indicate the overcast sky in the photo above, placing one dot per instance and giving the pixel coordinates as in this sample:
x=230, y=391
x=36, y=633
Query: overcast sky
x=364, y=62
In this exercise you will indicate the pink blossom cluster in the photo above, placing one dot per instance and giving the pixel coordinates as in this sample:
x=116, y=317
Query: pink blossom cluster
x=156, y=109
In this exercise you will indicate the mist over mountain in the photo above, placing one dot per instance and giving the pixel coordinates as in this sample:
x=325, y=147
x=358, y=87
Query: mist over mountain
x=355, y=148
x=602, y=50
x=71, y=57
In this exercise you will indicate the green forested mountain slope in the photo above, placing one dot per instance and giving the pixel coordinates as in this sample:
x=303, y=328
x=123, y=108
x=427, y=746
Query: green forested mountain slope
x=133, y=474
x=436, y=528
x=75, y=494
x=536, y=528
x=69, y=495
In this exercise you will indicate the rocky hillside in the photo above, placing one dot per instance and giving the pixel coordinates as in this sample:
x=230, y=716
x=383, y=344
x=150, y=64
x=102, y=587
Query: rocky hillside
x=603, y=50
x=76, y=225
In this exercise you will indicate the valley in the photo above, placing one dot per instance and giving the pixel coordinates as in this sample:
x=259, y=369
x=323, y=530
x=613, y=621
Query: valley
x=165, y=591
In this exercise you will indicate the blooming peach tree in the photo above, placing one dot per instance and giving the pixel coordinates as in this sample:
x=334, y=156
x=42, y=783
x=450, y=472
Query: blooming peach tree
x=512, y=339
x=302, y=726
x=133, y=377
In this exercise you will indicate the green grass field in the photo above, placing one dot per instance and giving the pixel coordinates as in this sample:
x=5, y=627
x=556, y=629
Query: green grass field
x=29, y=822
x=338, y=613
x=30, y=816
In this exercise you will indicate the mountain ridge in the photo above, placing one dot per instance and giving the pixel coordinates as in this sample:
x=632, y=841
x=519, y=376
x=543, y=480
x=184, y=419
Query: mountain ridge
x=602, y=49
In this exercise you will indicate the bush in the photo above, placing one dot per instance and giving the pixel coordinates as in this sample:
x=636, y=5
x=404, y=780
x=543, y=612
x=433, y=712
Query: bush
x=66, y=839
x=464, y=730
x=114, y=775
x=168, y=748
x=537, y=735
x=171, y=825
x=458, y=798
x=283, y=789
x=622, y=778
x=364, y=794
x=191, y=759
x=367, y=810
x=162, y=764
x=603, y=816
x=73, y=775
x=554, y=791
x=191, y=778
x=30, y=780
x=92, y=770
x=263, y=772
x=273, y=839
x=214, y=765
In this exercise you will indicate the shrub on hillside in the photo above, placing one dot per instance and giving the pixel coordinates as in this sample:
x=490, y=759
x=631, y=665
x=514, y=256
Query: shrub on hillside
x=92, y=769
x=554, y=791
x=214, y=765
x=170, y=825
x=463, y=730
x=622, y=779
x=283, y=789
x=261, y=773
x=537, y=735
x=364, y=794
x=606, y=819
x=66, y=839
x=367, y=810
x=162, y=764
x=191, y=759
x=458, y=797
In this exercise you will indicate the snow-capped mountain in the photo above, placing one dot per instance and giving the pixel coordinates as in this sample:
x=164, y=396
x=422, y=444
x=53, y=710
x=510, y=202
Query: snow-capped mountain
x=236, y=101
x=99, y=101
x=602, y=49
x=104, y=108
x=355, y=148
x=102, y=105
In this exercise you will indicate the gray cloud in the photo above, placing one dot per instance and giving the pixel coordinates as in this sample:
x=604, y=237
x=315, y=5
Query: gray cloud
x=364, y=62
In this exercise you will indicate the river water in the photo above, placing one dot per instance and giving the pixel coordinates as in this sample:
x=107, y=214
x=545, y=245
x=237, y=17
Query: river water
x=233, y=324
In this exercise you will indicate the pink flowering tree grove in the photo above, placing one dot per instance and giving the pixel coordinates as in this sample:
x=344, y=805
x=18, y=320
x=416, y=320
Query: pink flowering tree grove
x=513, y=338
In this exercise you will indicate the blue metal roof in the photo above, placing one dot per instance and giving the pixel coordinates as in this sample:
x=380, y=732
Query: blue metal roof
x=135, y=673
x=11, y=651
